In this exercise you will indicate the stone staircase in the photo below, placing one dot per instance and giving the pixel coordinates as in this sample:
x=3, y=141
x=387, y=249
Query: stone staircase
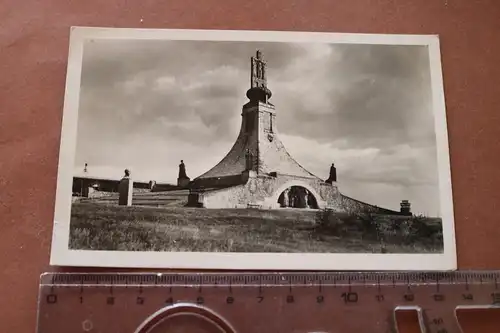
x=153, y=199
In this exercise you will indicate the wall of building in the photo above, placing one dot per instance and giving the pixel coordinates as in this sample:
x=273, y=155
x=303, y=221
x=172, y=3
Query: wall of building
x=81, y=186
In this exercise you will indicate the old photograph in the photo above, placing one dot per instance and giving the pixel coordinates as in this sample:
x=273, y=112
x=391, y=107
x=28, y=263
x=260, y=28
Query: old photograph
x=253, y=150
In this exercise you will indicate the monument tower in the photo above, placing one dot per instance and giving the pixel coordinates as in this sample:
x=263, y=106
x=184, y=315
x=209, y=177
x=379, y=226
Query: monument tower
x=258, y=148
x=258, y=171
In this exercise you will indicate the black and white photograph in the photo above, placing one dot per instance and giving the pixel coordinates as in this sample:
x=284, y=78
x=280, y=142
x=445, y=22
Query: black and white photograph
x=253, y=150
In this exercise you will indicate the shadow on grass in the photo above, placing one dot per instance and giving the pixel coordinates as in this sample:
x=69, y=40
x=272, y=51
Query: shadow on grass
x=416, y=230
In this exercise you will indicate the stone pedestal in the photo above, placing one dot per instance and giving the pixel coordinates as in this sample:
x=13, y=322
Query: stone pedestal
x=405, y=208
x=195, y=199
x=183, y=182
x=125, y=190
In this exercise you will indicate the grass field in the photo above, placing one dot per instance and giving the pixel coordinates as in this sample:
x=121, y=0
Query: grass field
x=104, y=227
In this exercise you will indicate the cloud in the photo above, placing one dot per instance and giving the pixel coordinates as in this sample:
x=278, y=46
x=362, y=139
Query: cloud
x=148, y=104
x=394, y=174
x=372, y=94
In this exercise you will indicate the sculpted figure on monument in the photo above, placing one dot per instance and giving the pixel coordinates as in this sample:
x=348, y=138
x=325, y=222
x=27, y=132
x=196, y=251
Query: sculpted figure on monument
x=286, y=199
x=183, y=179
x=292, y=197
x=258, y=82
x=248, y=160
x=263, y=70
x=182, y=170
x=258, y=71
x=333, y=174
x=310, y=199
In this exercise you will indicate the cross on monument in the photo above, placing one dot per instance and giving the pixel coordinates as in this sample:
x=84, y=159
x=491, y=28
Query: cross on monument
x=259, y=66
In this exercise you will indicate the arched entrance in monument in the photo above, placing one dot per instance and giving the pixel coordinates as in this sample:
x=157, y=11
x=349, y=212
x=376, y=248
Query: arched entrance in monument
x=297, y=196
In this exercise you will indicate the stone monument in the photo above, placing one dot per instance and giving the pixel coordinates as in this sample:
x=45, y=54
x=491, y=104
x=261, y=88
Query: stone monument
x=182, y=180
x=333, y=174
x=258, y=171
x=151, y=185
x=405, y=207
x=258, y=168
x=125, y=190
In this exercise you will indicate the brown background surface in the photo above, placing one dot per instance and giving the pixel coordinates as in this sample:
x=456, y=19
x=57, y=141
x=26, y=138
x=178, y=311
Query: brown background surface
x=33, y=55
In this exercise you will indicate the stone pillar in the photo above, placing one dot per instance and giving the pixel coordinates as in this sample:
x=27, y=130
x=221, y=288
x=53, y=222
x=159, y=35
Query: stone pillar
x=183, y=182
x=333, y=175
x=248, y=161
x=125, y=190
x=405, y=207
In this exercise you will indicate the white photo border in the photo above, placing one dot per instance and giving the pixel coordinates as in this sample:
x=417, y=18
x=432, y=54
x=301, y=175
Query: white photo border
x=61, y=255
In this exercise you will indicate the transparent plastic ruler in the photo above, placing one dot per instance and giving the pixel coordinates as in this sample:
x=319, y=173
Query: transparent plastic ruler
x=260, y=302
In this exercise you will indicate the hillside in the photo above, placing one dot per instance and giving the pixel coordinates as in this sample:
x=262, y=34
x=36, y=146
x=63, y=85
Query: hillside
x=103, y=227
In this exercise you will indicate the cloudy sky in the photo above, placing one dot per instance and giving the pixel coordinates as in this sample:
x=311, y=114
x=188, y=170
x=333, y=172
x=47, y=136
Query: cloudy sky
x=145, y=105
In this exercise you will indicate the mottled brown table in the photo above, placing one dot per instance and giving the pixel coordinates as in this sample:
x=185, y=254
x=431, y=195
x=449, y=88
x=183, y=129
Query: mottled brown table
x=34, y=46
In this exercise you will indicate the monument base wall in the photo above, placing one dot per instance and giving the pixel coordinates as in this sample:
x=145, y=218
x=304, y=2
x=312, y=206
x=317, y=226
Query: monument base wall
x=263, y=191
x=350, y=205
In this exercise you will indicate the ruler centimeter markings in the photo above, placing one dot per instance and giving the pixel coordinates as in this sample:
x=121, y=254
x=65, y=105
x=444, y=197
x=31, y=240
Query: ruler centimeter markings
x=271, y=302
